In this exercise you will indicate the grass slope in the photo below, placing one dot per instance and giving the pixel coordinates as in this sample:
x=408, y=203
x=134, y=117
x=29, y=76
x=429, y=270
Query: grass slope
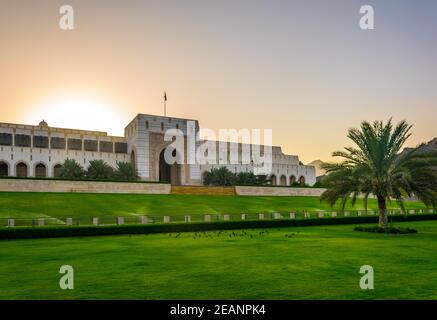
x=290, y=263
x=62, y=205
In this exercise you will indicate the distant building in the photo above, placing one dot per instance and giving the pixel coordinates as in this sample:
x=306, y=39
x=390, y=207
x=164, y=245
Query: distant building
x=39, y=151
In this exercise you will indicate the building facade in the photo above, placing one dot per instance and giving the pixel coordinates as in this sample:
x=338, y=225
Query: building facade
x=39, y=151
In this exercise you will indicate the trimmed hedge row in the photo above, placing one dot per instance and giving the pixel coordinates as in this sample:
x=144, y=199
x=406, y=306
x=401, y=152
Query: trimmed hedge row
x=78, y=179
x=79, y=231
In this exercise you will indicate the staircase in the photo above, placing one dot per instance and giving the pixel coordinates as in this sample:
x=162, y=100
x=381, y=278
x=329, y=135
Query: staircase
x=203, y=190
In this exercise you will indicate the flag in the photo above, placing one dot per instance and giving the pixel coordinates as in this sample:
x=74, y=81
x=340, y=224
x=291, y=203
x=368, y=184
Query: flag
x=165, y=96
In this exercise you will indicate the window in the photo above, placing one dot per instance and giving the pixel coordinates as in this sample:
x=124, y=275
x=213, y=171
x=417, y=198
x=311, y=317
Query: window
x=74, y=144
x=147, y=125
x=57, y=143
x=106, y=146
x=5, y=139
x=90, y=145
x=22, y=140
x=162, y=126
x=40, y=142
x=120, y=147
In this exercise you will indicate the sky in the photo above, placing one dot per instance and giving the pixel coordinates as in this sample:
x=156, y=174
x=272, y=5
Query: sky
x=304, y=69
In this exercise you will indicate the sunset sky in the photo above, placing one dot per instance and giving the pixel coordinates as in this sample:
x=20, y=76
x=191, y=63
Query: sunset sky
x=302, y=68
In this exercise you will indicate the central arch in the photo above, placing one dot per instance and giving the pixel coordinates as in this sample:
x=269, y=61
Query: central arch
x=169, y=172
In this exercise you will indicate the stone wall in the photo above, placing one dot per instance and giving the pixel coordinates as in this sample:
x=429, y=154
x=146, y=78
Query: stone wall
x=278, y=191
x=29, y=185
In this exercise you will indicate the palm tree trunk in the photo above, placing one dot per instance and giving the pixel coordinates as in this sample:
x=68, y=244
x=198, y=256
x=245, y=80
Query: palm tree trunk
x=382, y=212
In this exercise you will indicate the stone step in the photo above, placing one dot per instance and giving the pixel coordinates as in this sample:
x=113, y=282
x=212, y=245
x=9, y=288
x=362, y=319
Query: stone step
x=203, y=190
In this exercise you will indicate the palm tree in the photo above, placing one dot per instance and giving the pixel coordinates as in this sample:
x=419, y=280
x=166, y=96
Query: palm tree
x=219, y=177
x=99, y=169
x=126, y=171
x=376, y=168
x=71, y=169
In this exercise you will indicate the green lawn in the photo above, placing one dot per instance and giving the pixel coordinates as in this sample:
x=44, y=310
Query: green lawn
x=290, y=263
x=62, y=205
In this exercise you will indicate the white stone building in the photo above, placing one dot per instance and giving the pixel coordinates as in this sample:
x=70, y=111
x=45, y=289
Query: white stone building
x=39, y=151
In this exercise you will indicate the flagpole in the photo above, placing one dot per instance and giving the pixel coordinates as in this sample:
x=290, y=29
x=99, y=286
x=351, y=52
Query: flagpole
x=165, y=104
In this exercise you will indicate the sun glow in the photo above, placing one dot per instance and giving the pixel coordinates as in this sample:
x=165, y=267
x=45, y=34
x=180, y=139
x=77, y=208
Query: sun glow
x=80, y=113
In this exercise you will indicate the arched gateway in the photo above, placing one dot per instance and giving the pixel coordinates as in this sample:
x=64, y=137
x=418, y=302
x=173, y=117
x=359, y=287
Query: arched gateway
x=169, y=172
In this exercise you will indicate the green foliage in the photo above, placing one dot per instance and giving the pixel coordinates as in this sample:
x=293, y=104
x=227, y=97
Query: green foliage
x=71, y=169
x=375, y=167
x=314, y=262
x=76, y=231
x=126, y=171
x=219, y=177
x=99, y=169
x=392, y=230
x=224, y=177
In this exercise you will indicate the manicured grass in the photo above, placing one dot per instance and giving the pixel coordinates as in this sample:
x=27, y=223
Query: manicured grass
x=289, y=263
x=85, y=206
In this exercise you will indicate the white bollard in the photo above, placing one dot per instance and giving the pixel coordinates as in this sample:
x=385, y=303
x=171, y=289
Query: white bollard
x=334, y=214
x=144, y=220
x=292, y=215
x=69, y=221
x=120, y=220
x=244, y=216
x=321, y=214
x=207, y=218
x=411, y=211
x=41, y=222
x=166, y=219
x=359, y=213
x=277, y=216
x=307, y=215
x=261, y=216
x=226, y=217
x=347, y=213
x=11, y=223
x=187, y=219
x=95, y=221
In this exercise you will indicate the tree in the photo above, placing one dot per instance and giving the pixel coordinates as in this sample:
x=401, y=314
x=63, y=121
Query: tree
x=99, y=169
x=375, y=167
x=71, y=169
x=246, y=179
x=219, y=177
x=126, y=171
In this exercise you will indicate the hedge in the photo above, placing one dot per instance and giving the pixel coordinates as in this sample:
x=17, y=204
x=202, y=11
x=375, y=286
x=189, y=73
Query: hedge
x=80, y=179
x=76, y=231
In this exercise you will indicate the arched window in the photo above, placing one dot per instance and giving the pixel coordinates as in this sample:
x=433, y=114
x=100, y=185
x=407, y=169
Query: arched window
x=302, y=180
x=283, y=180
x=4, y=169
x=292, y=180
x=57, y=170
x=21, y=169
x=40, y=170
x=273, y=180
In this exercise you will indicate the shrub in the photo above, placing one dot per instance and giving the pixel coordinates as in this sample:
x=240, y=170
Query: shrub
x=126, y=171
x=219, y=177
x=99, y=169
x=392, y=230
x=71, y=169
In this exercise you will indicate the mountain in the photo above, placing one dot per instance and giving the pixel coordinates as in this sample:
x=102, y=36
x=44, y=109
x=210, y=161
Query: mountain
x=431, y=146
x=318, y=165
